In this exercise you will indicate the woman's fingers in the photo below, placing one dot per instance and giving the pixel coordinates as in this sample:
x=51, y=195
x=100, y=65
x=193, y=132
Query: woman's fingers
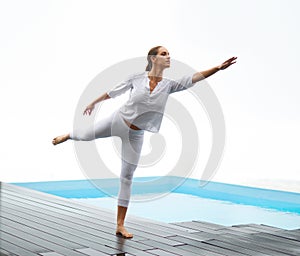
x=228, y=62
x=88, y=111
x=232, y=59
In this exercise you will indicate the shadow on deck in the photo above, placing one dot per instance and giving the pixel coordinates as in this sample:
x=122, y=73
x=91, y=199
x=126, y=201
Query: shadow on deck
x=35, y=223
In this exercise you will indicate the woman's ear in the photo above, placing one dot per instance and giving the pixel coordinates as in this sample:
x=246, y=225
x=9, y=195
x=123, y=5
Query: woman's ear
x=153, y=58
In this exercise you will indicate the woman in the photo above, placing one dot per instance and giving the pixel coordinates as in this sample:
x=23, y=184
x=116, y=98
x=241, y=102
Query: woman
x=144, y=109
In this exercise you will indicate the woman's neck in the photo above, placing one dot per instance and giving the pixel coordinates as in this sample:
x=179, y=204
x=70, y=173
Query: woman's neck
x=155, y=73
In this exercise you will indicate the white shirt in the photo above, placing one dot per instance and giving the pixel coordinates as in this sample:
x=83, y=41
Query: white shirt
x=144, y=109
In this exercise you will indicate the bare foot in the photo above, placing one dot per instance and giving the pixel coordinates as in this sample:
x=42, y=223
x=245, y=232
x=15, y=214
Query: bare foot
x=121, y=231
x=60, y=139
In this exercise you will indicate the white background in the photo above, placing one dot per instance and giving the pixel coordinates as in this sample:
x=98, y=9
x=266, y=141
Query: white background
x=51, y=50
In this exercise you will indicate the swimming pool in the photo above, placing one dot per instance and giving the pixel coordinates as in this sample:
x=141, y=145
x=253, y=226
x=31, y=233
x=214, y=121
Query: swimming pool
x=215, y=202
x=175, y=207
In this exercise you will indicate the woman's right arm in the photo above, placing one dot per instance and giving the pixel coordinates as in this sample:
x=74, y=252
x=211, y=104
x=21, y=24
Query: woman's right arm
x=118, y=90
x=89, y=109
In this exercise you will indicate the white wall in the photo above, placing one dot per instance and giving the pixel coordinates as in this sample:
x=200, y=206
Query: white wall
x=51, y=50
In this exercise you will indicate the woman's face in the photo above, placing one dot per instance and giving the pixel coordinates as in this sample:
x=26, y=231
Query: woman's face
x=162, y=59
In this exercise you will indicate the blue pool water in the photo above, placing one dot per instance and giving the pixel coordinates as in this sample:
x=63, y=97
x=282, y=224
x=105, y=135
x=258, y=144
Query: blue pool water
x=220, y=203
x=175, y=207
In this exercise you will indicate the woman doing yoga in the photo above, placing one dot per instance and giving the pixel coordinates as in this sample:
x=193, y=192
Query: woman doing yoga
x=143, y=111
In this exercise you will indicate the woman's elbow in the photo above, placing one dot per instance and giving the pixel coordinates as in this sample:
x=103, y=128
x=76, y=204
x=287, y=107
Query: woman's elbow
x=197, y=77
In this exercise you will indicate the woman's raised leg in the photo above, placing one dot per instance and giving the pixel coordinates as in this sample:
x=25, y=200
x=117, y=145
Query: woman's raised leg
x=102, y=129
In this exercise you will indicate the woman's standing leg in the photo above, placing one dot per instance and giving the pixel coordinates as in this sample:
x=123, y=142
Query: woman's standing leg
x=132, y=141
x=131, y=149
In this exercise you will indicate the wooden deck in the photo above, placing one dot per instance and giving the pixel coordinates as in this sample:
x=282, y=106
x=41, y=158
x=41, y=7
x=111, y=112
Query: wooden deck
x=34, y=223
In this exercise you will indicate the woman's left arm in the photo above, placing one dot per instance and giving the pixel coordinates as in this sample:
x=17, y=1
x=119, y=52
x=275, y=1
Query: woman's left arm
x=204, y=74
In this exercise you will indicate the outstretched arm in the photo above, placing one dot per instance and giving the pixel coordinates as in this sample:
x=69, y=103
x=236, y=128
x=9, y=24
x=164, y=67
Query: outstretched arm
x=89, y=109
x=204, y=74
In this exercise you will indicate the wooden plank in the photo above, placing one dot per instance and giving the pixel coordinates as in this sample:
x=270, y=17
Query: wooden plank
x=188, y=240
x=168, y=248
x=91, y=252
x=21, y=242
x=288, y=235
x=63, y=204
x=105, y=212
x=156, y=225
x=37, y=214
x=189, y=225
x=258, y=227
x=201, y=252
x=204, y=246
x=70, y=232
x=236, y=248
x=231, y=241
x=248, y=239
x=209, y=225
x=54, y=223
x=15, y=249
x=276, y=239
x=251, y=246
x=49, y=206
x=38, y=233
x=200, y=237
x=52, y=214
x=40, y=241
x=297, y=231
x=148, y=233
x=197, y=226
x=73, y=234
x=237, y=231
x=60, y=206
x=247, y=245
x=50, y=254
x=291, y=249
x=293, y=232
x=61, y=224
x=132, y=223
x=71, y=212
x=160, y=252
x=3, y=252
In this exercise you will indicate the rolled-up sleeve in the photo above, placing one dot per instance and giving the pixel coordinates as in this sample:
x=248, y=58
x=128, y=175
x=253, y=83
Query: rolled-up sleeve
x=181, y=84
x=120, y=88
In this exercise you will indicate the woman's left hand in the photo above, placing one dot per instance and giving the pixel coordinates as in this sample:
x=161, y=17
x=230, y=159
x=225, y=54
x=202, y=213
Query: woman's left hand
x=227, y=63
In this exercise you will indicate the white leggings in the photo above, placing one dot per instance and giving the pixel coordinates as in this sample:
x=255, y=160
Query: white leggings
x=132, y=142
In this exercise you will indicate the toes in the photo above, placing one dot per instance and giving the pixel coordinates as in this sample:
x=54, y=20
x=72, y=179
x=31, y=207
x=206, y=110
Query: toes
x=129, y=236
x=54, y=142
x=124, y=235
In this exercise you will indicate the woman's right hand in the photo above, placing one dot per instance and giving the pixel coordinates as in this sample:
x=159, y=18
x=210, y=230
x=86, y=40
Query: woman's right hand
x=89, y=109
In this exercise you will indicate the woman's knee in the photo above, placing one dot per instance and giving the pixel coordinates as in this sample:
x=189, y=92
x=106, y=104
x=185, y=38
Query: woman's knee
x=124, y=192
x=127, y=171
x=123, y=202
x=82, y=135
